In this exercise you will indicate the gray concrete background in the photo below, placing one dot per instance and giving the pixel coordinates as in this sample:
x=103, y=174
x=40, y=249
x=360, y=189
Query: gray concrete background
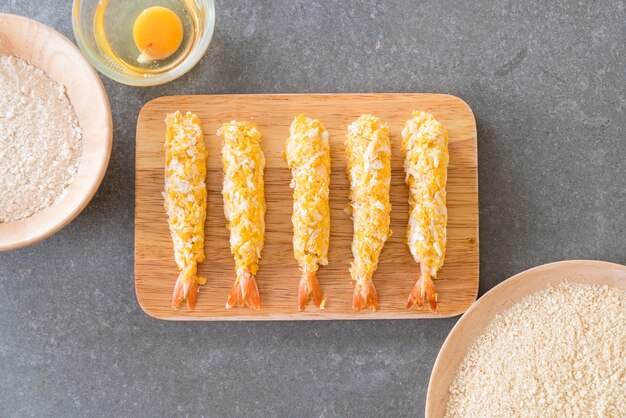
x=547, y=83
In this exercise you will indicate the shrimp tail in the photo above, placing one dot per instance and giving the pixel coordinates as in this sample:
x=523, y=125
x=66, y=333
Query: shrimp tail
x=309, y=286
x=364, y=296
x=185, y=290
x=424, y=288
x=186, y=287
x=244, y=292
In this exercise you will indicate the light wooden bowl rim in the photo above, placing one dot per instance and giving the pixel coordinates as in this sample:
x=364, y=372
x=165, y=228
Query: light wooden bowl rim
x=49, y=50
x=501, y=297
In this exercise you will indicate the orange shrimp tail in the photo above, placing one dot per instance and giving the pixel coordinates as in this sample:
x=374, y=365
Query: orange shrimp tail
x=364, y=296
x=309, y=286
x=424, y=289
x=178, y=297
x=186, y=288
x=244, y=292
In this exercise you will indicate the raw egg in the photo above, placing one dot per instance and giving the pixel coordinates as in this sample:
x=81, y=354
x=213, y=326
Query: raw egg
x=158, y=32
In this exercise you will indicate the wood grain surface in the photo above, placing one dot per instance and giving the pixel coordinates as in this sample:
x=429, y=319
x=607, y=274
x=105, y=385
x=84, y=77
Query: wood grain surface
x=47, y=49
x=508, y=293
x=155, y=269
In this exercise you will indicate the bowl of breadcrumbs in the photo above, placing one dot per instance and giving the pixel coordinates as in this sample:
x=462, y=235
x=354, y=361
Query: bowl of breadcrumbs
x=548, y=342
x=55, y=131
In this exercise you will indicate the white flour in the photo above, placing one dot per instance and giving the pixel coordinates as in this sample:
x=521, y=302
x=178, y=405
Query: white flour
x=40, y=140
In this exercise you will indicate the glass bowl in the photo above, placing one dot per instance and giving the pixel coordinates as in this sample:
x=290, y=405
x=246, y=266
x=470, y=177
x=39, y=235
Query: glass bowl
x=83, y=17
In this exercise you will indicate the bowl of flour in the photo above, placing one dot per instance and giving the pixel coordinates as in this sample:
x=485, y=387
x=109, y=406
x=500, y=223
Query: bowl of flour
x=55, y=131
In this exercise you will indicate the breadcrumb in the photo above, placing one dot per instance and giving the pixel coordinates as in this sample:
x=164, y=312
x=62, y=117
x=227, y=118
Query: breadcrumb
x=557, y=353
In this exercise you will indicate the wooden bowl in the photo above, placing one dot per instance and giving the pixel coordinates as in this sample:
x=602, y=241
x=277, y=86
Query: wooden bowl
x=475, y=320
x=47, y=49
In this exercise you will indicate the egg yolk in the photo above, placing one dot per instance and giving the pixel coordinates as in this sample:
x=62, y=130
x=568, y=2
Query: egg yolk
x=158, y=32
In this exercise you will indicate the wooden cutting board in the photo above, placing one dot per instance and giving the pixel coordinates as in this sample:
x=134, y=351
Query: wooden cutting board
x=155, y=269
